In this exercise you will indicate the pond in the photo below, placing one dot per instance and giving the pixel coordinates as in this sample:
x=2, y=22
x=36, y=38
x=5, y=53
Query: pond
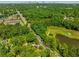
x=69, y=41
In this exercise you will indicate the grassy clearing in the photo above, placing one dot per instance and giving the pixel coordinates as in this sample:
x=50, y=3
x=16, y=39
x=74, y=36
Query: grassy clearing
x=53, y=30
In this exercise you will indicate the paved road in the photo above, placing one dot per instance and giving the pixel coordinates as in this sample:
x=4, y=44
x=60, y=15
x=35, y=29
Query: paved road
x=37, y=36
x=22, y=18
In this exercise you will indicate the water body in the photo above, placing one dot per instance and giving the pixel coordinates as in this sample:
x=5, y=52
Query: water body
x=69, y=41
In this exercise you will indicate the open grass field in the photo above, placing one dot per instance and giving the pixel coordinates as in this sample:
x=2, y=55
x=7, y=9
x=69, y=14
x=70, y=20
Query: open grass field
x=60, y=30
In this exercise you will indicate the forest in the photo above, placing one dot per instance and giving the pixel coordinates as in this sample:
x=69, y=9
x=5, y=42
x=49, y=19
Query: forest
x=47, y=33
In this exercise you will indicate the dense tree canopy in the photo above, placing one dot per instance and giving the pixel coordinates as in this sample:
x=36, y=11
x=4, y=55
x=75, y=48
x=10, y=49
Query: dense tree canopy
x=17, y=40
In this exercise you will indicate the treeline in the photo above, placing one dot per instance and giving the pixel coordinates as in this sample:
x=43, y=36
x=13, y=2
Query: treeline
x=57, y=14
x=48, y=10
x=69, y=24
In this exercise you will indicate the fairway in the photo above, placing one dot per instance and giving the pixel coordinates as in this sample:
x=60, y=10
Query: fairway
x=60, y=30
x=70, y=37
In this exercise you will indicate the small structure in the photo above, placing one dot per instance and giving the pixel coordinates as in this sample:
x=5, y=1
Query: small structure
x=68, y=18
x=11, y=22
x=1, y=21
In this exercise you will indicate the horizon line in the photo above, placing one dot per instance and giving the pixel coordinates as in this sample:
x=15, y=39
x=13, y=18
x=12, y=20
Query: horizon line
x=39, y=2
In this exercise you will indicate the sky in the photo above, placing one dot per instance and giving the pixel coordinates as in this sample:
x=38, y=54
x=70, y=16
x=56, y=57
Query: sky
x=39, y=0
x=59, y=1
